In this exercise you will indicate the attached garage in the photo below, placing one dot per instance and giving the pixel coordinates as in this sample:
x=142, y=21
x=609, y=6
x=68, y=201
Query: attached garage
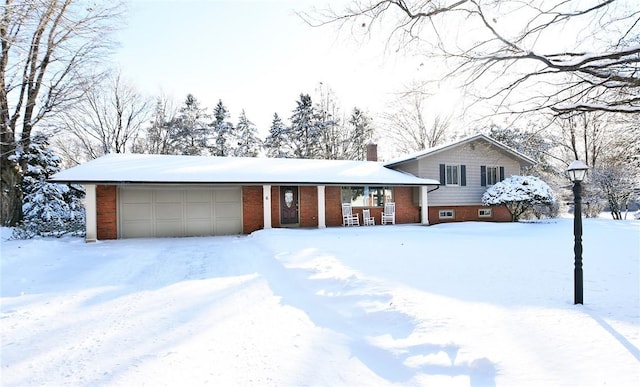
x=161, y=211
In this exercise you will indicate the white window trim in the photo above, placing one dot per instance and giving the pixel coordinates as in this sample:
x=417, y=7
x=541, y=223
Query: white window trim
x=445, y=216
x=489, y=213
x=497, y=168
x=446, y=175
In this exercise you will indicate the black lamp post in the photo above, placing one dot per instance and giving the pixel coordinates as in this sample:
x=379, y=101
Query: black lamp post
x=577, y=171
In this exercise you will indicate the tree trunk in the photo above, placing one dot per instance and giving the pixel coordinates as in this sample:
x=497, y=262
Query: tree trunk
x=11, y=198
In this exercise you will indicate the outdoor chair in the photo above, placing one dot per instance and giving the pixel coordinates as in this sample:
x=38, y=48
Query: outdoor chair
x=348, y=218
x=389, y=214
x=367, y=219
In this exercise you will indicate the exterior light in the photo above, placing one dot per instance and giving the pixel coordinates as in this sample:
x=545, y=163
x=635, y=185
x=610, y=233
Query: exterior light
x=577, y=171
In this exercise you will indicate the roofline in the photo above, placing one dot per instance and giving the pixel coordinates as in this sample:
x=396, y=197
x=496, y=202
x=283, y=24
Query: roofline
x=243, y=183
x=443, y=148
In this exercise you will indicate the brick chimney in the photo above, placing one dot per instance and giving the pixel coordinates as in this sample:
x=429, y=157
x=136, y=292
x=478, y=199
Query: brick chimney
x=372, y=152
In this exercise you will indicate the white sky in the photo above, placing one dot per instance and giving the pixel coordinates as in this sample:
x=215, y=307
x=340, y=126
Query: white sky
x=257, y=55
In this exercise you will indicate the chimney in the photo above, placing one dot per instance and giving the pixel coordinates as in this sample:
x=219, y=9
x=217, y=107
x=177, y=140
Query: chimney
x=372, y=152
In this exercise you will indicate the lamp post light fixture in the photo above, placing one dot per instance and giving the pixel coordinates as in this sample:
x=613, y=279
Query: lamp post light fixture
x=577, y=171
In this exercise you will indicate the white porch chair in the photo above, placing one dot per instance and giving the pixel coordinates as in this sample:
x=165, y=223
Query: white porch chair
x=367, y=219
x=389, y=214
x=348, y=217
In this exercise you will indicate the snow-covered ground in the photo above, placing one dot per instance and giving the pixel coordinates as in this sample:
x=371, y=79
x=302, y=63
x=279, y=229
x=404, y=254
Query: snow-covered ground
x=466, y=304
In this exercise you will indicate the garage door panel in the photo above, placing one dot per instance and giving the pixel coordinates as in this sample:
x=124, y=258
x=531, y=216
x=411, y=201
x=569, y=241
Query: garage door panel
x=227, y=227
x=227, y=210
x=136, y=212
x=168, y=196
x=168, y=229
x=136, y=196
x=200, y=228
x=227, y=195
x=198, y=196
x=166, y=212
x=169, y=211
x=196, y=211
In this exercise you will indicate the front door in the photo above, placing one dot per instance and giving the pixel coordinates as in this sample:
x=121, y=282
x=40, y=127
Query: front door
x=289, y=205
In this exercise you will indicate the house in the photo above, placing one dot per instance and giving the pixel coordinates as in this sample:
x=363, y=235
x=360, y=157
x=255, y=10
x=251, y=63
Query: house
x=464, y=169
x=136, y=195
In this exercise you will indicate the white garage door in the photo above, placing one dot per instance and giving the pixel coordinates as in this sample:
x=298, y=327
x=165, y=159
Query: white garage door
x=166, y=212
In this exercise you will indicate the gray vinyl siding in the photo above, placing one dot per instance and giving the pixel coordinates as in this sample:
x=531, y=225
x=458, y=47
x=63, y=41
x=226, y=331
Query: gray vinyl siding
x=472, y=155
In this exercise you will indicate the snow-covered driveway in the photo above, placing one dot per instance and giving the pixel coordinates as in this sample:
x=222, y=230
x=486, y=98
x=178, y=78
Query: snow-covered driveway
x=467, y=304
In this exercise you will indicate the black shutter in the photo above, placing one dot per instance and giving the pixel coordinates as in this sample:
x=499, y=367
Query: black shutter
x=463, y=175
x=483, y=175
x=442, y=175
x=501, y=173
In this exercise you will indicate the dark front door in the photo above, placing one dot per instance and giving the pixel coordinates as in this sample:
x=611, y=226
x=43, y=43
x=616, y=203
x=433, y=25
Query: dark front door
x=288, y=205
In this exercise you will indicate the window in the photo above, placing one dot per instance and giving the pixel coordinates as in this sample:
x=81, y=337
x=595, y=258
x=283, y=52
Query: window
x=452, y=175
x=490, y=175
x=446, y=214
x=367, y=196
x=484, y=213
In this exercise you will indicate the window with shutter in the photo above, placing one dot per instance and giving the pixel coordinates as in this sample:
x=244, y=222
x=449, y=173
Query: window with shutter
x=494, y=175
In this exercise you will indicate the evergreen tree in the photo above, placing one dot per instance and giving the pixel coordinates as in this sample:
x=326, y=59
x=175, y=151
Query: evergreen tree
x=276, y=144
x=190, y=132
x=49, y=209
x=223, y=132
x=247, y=136
x=304, y=135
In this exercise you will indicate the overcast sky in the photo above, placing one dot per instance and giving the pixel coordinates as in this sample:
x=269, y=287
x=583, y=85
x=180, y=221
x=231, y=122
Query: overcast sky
x=254, y=55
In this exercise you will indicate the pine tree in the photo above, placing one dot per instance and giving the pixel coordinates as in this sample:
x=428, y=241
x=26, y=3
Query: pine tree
x=190, y=132
x=49, y=209
x=247, y=136
x=223, y=132
x=276, y=143
x=304, y=136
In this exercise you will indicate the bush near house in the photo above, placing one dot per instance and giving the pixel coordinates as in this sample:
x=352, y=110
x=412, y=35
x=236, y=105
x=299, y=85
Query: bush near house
x=519, y=194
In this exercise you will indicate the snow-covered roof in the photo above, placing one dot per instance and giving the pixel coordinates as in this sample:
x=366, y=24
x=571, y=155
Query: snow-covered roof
x=168, y=169
x=524, y=159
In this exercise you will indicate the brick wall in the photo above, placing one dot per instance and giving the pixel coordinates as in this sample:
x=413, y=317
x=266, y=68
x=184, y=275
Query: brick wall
x=308, y=206
x=107, y=212
x=252, y=209
x=333, y=206
x=406, y=211
x=469, y=213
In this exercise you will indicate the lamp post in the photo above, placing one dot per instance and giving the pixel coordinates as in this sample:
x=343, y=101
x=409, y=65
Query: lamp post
x=577, y=171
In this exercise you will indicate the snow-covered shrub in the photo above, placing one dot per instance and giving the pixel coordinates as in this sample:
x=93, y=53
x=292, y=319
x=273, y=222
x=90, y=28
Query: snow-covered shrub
x=519, y=194
x=49, y=209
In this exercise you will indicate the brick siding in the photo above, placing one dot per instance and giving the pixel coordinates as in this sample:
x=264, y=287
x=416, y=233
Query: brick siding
x=252, y=209
x=107, y=212
x=469, y=213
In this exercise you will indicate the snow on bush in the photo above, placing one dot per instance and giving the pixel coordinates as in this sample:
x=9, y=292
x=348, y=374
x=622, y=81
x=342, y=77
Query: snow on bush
x=519, y=194
x=49, y=209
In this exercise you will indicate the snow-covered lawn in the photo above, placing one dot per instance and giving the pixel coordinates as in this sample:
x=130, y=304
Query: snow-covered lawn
x=466, y=304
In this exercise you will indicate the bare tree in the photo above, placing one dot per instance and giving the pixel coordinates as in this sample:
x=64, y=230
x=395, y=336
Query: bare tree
x=47, y=47
x=108, y=118
x=409, y=125
x=610, y=145
x=159, y=134
x=563, y=55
